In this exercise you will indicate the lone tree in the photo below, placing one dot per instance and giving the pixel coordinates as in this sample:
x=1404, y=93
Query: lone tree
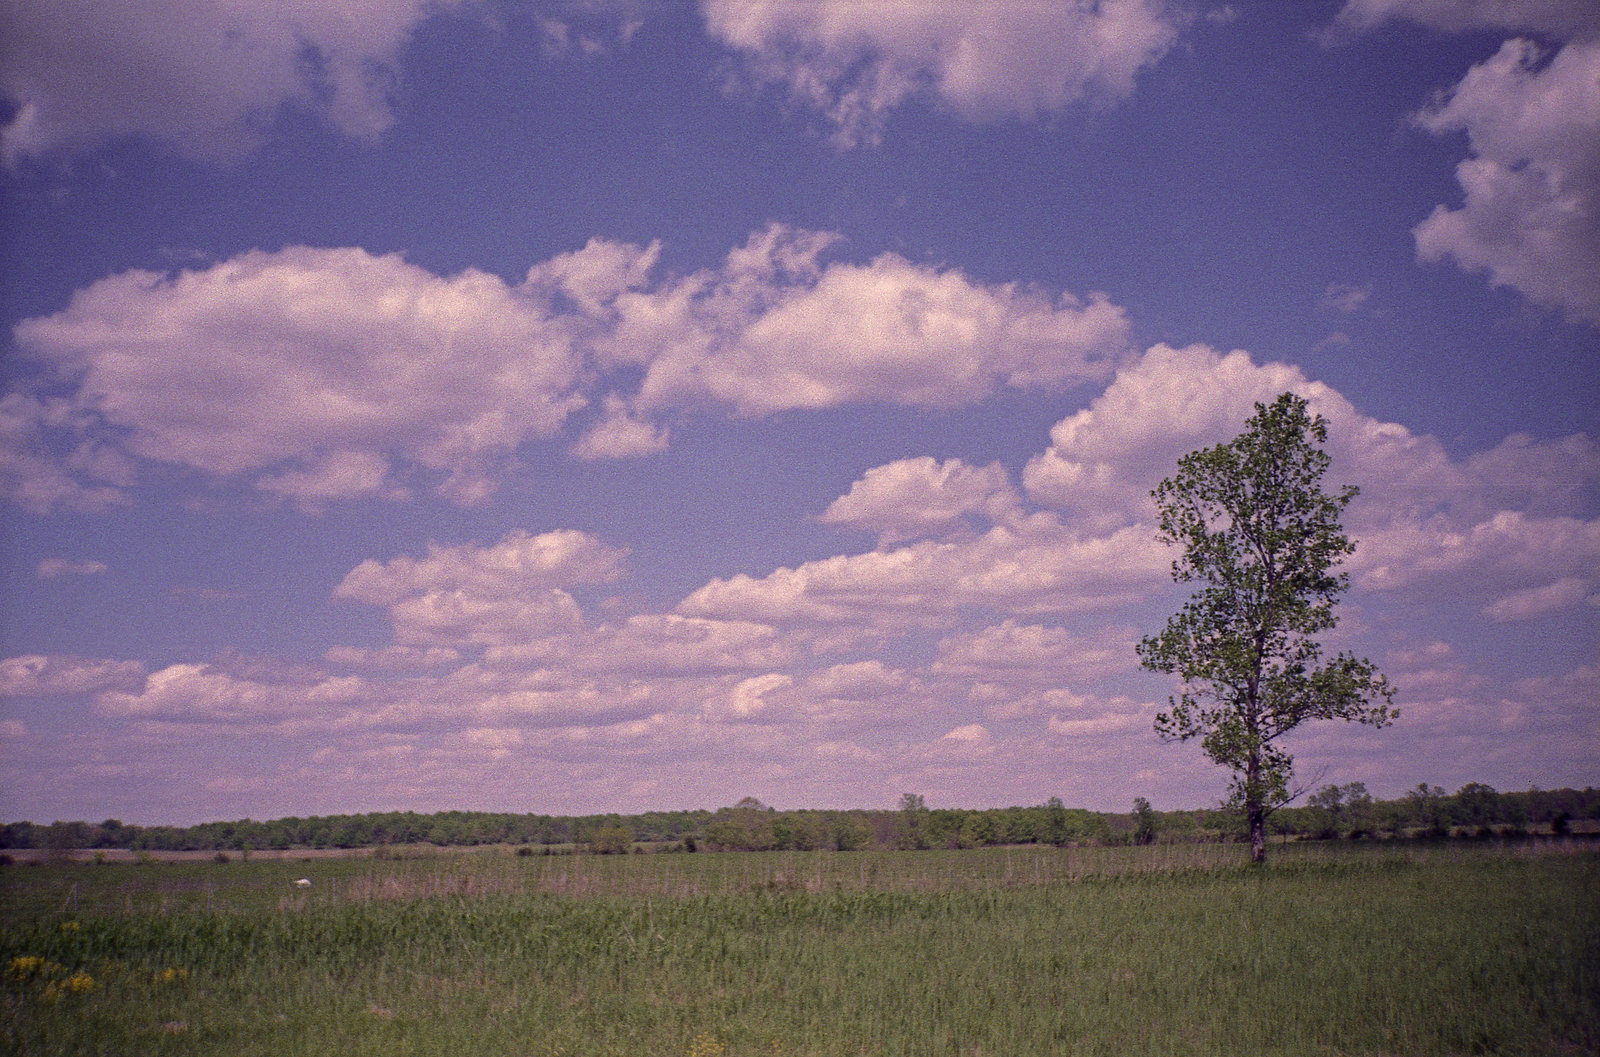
x=1263, y=540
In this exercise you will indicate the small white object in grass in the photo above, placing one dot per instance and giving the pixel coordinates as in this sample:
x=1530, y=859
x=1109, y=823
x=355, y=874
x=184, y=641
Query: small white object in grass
x=304, y=882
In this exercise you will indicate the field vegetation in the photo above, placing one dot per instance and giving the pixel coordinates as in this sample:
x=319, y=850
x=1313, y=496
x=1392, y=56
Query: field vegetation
x=1332, y=948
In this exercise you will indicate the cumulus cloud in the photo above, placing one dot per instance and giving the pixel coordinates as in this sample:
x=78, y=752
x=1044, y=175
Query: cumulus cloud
x=1013, y=654
x=1514, y=514
x=1039, y=567
x=986, y=622
x=307, y=369
x=1558, y=18
x=512, y=591
x=986, y=59
x=319, y=375
x=621, y=434
x=776, y=328
x=584, y=29
x=1117, y=718
x=37, y=478
x=1564, y=593
x=214, y=694
x=1103, y=461
x=36, y=675
x=652, y=645
x=208, y=78
x=1531, y=214
x=923, y=497
x=1506, y=552
x=392, y=658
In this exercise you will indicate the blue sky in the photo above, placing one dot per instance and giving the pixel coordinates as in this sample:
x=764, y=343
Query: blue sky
x=610, y=405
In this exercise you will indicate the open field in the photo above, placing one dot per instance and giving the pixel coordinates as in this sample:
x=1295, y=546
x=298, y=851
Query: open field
x=1445, y=950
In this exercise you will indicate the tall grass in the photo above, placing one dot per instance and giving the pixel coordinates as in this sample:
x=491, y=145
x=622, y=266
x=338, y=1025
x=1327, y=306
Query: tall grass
x=1131, y=951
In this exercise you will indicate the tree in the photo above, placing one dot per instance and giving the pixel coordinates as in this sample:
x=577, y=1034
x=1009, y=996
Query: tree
x=1263, y=541
x=1144, y=822
x=1427, y=809
x=1477, y=805
x=1056, y=829
x=1343, y=805
x=913, y=819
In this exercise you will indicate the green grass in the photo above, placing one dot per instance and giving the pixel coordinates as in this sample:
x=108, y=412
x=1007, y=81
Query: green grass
x=1447, y=951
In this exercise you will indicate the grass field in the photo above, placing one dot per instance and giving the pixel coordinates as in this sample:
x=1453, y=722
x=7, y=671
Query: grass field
x=1182, y=950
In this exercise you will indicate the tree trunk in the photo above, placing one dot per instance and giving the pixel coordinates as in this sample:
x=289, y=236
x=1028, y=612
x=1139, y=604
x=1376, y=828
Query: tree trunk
x=1255, y=809
x=1258, y=833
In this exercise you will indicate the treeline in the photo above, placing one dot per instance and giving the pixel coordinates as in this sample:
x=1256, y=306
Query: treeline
x=1333, y=812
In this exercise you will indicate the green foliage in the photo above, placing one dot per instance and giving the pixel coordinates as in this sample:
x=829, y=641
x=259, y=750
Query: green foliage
x=913, y=822
x=1144, y=821
x=1262, y=541
x=1473, y=807
x=612, y=838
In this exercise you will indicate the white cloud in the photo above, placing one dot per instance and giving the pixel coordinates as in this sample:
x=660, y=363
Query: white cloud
x=971, y=734
x=1565, y=593
x=35, y=478
x=209, y=78
x=510, y=592
x=652, y=645
x=307, y=368
x=392, y=658
x=748, y=699
x=775, y=329
x=1039, y=567
x=519, y=561
x=859, y=681
x=1537, y=477
x=36, y=675
x=620, y=434
x=1531, y=215
x=336, y=475
x=924, y=497
x=985, y=59
x=1103, y=461
x=1506, y=553
x=1560, y=18
x=1034, y=655
x=211, y=694
x=1119, y=719
x=50, y=568
x=325, y=374
x=1512, y=515
x=584, y=29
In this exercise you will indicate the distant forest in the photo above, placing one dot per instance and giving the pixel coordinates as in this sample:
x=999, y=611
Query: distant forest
x=1333, y=812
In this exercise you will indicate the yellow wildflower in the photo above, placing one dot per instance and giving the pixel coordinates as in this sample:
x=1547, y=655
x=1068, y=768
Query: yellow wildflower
x=705, y=1046
x=79, y=984
x=26, y=967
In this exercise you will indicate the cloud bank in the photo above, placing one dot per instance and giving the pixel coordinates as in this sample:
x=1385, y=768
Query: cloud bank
x=992, y=619
x=318, y=375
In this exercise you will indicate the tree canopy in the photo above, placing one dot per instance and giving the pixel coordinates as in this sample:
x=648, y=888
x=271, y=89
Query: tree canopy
x=1263, y=542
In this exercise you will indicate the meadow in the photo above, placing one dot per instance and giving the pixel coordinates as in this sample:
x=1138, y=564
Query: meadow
x=1391, y=950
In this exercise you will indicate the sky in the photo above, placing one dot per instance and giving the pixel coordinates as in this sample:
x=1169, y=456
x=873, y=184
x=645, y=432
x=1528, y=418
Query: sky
x=611, y=405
